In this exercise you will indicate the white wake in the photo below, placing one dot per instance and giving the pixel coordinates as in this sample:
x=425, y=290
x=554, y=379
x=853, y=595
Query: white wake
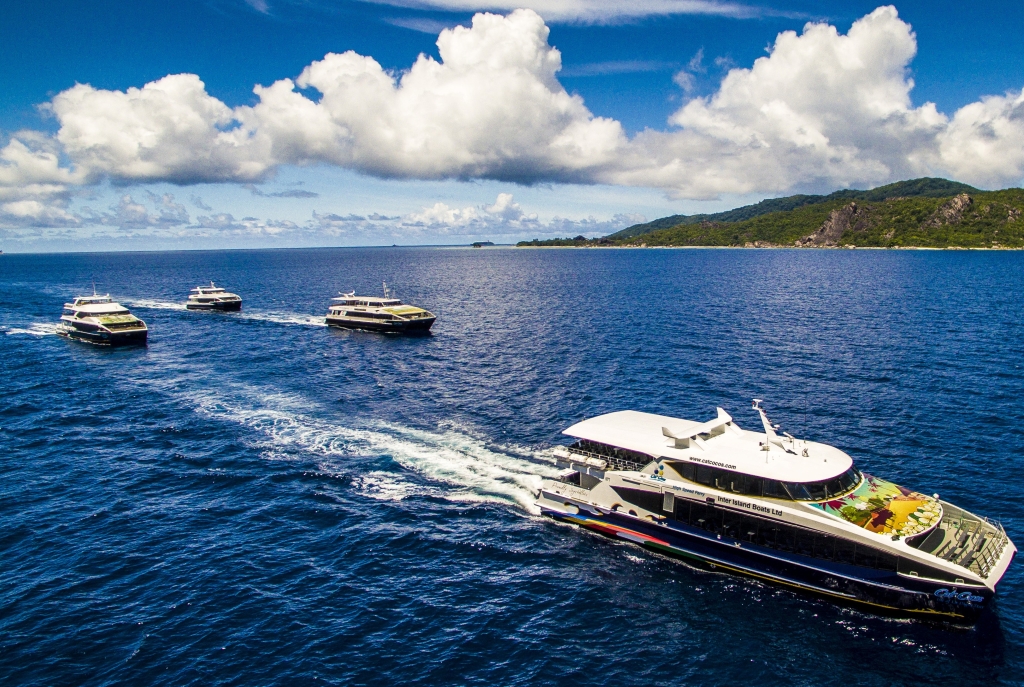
x=284, y=318
x=35, y=329
x=457, y=466
x=262, y=316
x=150, y=304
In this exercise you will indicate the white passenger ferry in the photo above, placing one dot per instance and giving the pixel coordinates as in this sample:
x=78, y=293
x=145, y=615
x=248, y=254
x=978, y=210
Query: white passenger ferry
x=378, y=314
x=213, y=297
x=99, y=320
x=780, y=509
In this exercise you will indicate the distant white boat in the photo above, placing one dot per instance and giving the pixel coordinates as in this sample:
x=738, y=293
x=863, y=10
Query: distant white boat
x=386, y=314
x=213, y=297
x=99, y=320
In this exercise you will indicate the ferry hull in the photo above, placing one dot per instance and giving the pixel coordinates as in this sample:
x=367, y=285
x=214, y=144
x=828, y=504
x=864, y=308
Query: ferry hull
x=231, y=306
x=395, y=327
x=106, y=339
x=878, y=591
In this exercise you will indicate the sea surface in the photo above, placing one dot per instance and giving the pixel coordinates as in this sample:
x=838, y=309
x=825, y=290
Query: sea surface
x=256, y=499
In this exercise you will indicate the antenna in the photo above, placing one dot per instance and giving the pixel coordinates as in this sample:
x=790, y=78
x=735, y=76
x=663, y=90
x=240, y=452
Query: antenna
x=769, y=428
x=769, y=431
x=385, y=290
x=94, y=287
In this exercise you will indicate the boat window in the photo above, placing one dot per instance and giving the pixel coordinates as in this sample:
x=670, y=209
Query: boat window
x=846, y=551
x=774, y=489
x=705, y=475
x=864, y=556
x=886, y=561
x=747, y=484
x=750, y=485
x=784, y=537
x=824, y=546
x=648, y=500
x=811, y=491
x=805, y=542
x=686, y=470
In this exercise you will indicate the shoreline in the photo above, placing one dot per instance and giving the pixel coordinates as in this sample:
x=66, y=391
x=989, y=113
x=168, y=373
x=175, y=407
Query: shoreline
x=950, y=248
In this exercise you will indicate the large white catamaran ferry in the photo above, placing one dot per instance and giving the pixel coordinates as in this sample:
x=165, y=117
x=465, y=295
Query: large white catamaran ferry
x=780, y=509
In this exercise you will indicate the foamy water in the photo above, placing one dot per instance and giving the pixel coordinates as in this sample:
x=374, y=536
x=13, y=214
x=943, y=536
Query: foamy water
x=151, y=304
x=34, y=329
x=463, y=467
x=278, y=317
x=284, y=318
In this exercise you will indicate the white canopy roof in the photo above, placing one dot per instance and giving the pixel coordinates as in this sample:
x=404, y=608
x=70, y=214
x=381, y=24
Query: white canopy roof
x=107, y=308
x=722, y=445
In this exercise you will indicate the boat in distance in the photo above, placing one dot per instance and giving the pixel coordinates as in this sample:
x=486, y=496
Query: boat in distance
x=213, y=297
x=99, y=320
x=782, y=510
x=372, y=313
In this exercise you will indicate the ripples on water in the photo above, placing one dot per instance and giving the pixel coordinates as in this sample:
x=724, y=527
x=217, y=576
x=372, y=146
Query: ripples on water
x=257, y=499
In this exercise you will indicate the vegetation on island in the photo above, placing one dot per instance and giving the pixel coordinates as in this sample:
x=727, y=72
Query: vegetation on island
x=922, y=213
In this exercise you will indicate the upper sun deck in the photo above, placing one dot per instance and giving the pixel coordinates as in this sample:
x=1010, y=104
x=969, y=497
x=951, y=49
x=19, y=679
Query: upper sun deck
x=89, y=300
x=211, y=290
x=91, y=306
x=719, y=443
x=366, y=301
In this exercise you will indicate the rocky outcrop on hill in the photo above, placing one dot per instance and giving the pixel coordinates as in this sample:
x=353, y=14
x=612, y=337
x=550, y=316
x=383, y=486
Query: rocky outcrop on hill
x=951, y=212
x=838, y=223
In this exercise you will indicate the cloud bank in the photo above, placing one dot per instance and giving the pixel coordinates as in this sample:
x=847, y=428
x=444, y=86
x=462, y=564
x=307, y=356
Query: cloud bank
x=591, y=11
x=152, y=218
x=821, y=110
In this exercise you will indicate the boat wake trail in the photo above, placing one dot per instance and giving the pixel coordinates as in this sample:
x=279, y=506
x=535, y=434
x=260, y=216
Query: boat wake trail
x=149, y=304
x=271, y=316
x=34, y=329
x=284, y=318
x=448, y=464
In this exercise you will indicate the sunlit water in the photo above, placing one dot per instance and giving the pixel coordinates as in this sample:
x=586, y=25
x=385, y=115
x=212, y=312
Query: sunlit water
x=258, y=499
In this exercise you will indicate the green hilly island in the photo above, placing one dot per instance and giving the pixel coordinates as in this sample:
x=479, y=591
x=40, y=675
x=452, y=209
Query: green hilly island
x=920, y=213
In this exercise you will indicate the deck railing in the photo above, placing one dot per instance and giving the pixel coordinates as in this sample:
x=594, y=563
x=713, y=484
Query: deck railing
x=611, y=462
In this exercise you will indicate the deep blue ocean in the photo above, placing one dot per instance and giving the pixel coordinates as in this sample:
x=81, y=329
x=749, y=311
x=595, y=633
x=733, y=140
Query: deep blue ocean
x=256, y=499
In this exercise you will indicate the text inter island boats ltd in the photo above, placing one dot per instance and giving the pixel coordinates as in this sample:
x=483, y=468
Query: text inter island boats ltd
x=780, y=509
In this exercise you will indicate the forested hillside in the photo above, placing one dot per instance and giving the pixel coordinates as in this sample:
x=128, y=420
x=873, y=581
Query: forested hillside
x=924, y=213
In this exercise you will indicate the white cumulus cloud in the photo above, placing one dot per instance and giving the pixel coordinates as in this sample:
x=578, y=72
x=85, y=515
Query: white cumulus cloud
x=822, y=110
x=492, y=108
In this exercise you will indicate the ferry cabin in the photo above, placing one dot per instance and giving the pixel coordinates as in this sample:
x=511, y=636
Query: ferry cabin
x=784, y=510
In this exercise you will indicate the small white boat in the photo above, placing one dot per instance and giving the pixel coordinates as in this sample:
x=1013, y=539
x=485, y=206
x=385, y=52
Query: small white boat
x=213, y=297
x=99, y=320
x=386, y=314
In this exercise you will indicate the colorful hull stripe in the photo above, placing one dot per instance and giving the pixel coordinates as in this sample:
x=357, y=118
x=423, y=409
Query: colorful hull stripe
x=642, y=538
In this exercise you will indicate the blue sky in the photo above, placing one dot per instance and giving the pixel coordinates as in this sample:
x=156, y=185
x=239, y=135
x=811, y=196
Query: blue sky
x=632, y=121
